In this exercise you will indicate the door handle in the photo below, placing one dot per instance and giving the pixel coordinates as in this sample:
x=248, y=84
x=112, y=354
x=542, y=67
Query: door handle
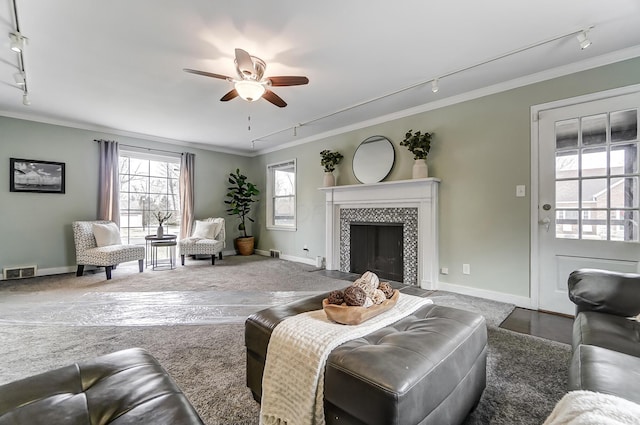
x=546, y=222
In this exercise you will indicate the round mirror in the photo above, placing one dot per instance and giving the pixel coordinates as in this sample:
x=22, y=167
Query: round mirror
x=373, y=159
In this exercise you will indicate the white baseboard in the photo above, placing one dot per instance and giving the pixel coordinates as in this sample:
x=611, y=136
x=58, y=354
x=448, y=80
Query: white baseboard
x=303, y=260
x=524, y=302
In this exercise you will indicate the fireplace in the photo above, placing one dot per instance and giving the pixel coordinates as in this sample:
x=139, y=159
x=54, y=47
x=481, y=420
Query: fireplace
x=377, y=247
x=411, y=205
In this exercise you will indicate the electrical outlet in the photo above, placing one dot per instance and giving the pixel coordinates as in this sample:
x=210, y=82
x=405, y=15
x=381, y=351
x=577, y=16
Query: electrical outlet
x=444, y=270
x=466, y=269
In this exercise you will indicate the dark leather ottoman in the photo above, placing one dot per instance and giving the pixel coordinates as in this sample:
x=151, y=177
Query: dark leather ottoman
x=126, y=387
x=428, y=368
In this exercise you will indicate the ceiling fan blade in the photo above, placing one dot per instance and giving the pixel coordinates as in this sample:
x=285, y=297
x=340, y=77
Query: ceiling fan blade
x=206, y=74
x=274, y=98
x=231, y=95
x=245, y=63
x=288, y=81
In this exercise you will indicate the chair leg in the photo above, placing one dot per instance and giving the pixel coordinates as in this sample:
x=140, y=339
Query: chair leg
x=213, y=260
x=141, y=265
x=220, y=255
x=182, y=259
x=108, y=270
x=80, y=270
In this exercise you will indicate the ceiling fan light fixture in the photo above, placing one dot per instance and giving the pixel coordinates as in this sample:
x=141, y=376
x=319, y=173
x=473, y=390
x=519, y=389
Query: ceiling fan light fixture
x=250, y=90
x=583, y=40
x=17, y=41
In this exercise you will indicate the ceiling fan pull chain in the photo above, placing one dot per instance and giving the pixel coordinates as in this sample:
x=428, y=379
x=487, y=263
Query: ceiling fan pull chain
x=249, y=124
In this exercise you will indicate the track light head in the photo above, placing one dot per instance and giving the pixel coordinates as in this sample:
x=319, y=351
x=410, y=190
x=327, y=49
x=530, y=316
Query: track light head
x=434, y=86
x=17, y=41
x=25, y=100
x=583, y=40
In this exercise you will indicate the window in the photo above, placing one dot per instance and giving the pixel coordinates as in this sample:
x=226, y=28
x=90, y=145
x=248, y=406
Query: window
x=598, y=177
x=281, y=195
x=148, y=184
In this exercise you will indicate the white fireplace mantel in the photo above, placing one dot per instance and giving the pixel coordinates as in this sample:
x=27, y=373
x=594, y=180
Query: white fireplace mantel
x=417, y=193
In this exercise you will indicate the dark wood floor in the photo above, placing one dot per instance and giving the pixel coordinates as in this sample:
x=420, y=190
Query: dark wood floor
x=545, y=325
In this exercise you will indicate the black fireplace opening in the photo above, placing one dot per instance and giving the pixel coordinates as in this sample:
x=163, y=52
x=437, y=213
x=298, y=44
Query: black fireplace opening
x=377, y=247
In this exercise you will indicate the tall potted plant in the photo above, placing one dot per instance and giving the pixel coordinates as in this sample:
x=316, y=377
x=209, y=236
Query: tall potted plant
x=240, y=196
x=419, y=145
x=329, y=161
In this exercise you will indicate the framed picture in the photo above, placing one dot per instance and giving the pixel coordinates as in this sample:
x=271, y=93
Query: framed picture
x=32, y=175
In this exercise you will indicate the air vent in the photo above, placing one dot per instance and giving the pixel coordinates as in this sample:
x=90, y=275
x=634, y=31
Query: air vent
x=19, y=272
x=274, y=253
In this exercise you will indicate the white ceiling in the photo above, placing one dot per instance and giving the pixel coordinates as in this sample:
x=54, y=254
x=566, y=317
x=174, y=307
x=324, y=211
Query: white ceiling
x=117, y=65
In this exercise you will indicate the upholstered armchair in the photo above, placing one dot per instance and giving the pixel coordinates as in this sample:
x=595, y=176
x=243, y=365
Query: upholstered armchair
x=207, y=238
x=98, y=244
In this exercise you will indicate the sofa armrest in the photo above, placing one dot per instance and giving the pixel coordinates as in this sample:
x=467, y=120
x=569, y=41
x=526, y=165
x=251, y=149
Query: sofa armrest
x=605, y=291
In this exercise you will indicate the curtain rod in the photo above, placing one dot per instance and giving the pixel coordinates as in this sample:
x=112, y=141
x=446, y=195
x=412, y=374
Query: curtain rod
x=148, y=149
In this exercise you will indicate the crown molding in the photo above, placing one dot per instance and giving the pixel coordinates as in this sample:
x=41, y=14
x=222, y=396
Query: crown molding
x=583, y=65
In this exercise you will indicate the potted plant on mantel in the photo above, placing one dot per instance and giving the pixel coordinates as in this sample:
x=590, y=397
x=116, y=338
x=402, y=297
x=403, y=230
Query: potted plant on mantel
x=419, y=145
x=329, y=161
x=240, y=199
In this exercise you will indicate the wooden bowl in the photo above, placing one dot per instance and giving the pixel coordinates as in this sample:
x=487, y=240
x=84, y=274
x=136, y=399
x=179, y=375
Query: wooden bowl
x=349, y=315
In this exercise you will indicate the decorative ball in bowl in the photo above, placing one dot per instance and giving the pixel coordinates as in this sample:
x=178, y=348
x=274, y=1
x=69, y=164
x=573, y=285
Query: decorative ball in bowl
x=354, y=315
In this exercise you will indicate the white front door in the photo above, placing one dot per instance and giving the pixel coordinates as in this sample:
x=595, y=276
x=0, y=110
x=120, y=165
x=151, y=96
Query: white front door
x=588, y=193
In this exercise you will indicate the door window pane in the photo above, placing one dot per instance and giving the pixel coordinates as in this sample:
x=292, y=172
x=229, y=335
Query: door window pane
x=594, y=225
x=567, y=224
x=624, y=225
x=624, y=159
x=594, y=162
x=624, y=126
x=567, y=194
x=624, y=192
x=566, y=164
x=567, y=134
x=594, y=193
x=594, y=130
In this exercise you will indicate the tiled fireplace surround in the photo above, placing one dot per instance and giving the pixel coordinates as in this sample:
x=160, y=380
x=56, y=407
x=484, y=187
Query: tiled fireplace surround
x=411, y=202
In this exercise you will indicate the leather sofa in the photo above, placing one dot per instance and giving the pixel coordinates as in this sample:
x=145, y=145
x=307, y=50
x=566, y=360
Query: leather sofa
x=125, y=387
x=429, y=368
x=606, y=341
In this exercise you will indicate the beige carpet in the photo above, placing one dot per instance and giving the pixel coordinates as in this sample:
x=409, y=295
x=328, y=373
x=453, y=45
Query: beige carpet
x=191, y=319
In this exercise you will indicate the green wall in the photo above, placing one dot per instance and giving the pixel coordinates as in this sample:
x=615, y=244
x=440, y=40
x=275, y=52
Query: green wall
x=35, y=228
x=481, y=151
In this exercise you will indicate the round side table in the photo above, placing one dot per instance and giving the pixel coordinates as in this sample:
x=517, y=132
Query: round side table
x=150, y=239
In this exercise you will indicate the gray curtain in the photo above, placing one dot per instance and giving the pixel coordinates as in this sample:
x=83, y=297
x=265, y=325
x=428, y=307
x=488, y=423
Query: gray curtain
x=187, y=178
x=109, y=182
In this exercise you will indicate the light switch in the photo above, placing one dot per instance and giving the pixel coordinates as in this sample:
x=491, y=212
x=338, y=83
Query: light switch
x=521, y=191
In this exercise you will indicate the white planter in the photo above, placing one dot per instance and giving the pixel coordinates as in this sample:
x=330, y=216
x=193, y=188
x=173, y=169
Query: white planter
x=329, y=179
x=420, y=169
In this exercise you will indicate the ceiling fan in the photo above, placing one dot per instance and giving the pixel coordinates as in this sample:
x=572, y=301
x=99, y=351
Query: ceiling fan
x=252, y=84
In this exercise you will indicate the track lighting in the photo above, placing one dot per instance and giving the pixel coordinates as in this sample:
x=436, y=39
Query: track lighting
x=20, y=78
x=434, y=86
x=25, y=100
x=17, y=41
x=583, y=40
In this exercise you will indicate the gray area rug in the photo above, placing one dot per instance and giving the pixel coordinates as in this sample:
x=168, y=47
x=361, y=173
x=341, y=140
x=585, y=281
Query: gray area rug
x=204, y=350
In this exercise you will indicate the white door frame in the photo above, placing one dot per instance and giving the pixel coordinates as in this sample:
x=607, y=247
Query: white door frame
x=534, y=278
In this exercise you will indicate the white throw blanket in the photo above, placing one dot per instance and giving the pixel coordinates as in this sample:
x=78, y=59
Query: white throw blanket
x=293, y=380
x=590, y=408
